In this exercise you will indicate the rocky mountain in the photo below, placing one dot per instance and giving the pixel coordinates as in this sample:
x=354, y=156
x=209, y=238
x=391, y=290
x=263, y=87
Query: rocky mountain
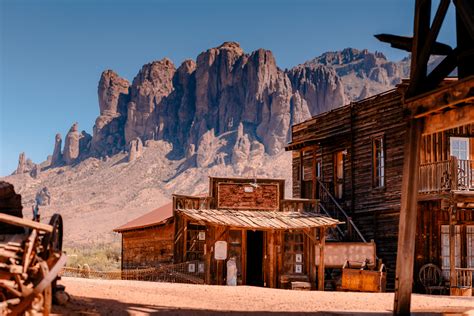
x=363, y=73
x=227, y=113
x=223, y=90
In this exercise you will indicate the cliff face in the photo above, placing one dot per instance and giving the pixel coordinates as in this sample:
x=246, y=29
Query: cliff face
x=225, y=91
x=363, y=73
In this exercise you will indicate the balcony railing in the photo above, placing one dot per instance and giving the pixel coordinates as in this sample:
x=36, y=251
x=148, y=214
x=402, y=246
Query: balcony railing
x=444, y=176
x=300, y=205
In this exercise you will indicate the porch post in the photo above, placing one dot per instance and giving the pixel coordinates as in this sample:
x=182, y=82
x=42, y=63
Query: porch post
x=452, y=248
x=322, y=241
x=407, y=224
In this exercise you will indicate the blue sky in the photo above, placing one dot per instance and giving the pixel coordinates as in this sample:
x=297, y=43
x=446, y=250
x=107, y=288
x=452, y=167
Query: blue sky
x=53, y=52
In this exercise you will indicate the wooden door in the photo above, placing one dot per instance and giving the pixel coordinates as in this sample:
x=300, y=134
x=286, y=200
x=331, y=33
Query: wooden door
x=339, y=174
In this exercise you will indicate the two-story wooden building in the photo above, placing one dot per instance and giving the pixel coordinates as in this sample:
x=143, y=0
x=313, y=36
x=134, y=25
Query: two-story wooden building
x=351, y=158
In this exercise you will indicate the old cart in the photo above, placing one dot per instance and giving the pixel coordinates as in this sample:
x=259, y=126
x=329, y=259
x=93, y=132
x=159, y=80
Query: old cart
x=30, y=258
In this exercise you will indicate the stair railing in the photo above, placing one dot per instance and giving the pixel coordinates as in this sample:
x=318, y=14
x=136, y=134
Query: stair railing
x=339, y=213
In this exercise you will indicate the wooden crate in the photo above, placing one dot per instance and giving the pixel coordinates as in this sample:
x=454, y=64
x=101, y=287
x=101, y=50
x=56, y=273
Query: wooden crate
x=358, y=279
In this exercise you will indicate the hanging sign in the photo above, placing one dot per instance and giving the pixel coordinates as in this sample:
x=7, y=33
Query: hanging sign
x=220, y=250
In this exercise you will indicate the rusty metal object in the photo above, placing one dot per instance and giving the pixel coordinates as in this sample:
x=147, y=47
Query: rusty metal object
x=356, y=277
x=30, y=260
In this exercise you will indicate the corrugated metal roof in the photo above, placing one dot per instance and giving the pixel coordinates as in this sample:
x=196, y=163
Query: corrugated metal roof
x=259, y=219
x=155, y=217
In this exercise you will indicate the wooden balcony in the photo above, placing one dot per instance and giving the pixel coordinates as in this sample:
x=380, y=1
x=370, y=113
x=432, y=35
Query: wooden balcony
x=445, y=176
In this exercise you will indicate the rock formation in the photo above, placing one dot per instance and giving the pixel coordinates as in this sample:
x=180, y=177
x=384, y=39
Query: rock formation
x=153, y=83
x=135, y=149
x=113, y=93
x=21, y=164
x=363, y=70
x=71, y=145
x=35, y=172
x=25, y=165
x=57, y=157
x=43, y=197
x=319, y=86
x=241, y=150
x=194, y=107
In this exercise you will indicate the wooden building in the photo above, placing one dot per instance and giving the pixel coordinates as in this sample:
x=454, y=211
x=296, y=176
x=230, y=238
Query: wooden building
x=147, y=241
x=352, y=159
x=272, y=240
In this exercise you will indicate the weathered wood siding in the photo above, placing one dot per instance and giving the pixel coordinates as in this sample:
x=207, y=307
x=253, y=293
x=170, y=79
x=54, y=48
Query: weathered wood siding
x=148, y=247
x=375, y=210
x=436, y=147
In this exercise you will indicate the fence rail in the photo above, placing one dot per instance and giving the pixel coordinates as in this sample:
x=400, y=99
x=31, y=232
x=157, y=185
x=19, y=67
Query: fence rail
x=191, y=272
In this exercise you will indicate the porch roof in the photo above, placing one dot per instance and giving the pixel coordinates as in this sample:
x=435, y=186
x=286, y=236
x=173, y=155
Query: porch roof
x=259, y=220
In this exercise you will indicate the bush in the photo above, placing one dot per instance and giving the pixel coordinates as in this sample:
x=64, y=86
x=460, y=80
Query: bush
x=100, y=257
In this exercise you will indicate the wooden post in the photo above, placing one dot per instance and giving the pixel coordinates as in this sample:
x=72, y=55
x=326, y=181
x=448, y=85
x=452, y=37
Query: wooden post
x=312, y=259
x=209, y=250
x=301, y=173
x=452, y=248
x=244, y=257
x=407, y=224
x=454, y=173
x=322, y=241
x=185, y=239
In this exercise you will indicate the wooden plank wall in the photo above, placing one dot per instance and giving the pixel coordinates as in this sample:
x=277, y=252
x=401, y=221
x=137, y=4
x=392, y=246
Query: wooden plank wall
x=148, y=247
x=436, y=147
x=374, y=210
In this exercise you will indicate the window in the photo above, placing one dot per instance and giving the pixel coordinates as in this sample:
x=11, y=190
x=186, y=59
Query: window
x=195, y=240
x=378, y=162
x=459, y=147
x=293, y=256
x=445, y=249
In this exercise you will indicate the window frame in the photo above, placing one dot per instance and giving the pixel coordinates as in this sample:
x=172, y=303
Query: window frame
x=376, y=183
x=463, y=139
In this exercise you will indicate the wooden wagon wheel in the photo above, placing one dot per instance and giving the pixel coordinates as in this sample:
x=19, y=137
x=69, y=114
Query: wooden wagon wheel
x=53, y=242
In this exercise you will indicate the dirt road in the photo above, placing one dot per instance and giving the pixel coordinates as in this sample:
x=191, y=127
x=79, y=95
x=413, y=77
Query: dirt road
x=99, y=297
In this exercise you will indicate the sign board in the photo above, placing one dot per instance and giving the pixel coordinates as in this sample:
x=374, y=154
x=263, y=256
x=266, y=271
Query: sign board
x=202, y=236
x=220, y=250
x=248, y=196
x=337, y=253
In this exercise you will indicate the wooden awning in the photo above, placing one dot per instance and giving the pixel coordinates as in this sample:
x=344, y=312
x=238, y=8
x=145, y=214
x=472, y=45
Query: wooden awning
x=259, y=220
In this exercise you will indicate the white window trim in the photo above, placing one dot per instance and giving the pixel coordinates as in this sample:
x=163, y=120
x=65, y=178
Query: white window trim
x=465, y=139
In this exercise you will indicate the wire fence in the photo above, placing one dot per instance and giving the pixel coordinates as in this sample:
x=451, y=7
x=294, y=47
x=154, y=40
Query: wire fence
x=191, y=272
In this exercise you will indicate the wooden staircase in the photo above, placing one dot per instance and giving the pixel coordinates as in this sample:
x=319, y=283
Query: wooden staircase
x=329, y=206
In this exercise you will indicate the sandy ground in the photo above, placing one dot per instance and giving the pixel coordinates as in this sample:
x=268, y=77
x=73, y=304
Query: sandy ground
x=99, y=297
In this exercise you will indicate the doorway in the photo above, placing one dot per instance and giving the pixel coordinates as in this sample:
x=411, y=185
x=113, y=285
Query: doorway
x=254, y=258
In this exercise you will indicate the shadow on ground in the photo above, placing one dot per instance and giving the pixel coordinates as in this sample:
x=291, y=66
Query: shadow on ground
x=95, y=306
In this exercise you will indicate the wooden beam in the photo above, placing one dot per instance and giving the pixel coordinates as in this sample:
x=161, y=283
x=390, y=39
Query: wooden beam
x=447, y=96
x=466, y=14
x=321, y=268
x=420, y=32
x=426, y=46
x=406, y=43
x=407, y=225
x=23, y=222
x=465, y=36
x=448, y=120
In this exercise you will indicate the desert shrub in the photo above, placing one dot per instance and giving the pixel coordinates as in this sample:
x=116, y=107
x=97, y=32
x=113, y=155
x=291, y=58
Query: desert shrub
x=100, y=257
